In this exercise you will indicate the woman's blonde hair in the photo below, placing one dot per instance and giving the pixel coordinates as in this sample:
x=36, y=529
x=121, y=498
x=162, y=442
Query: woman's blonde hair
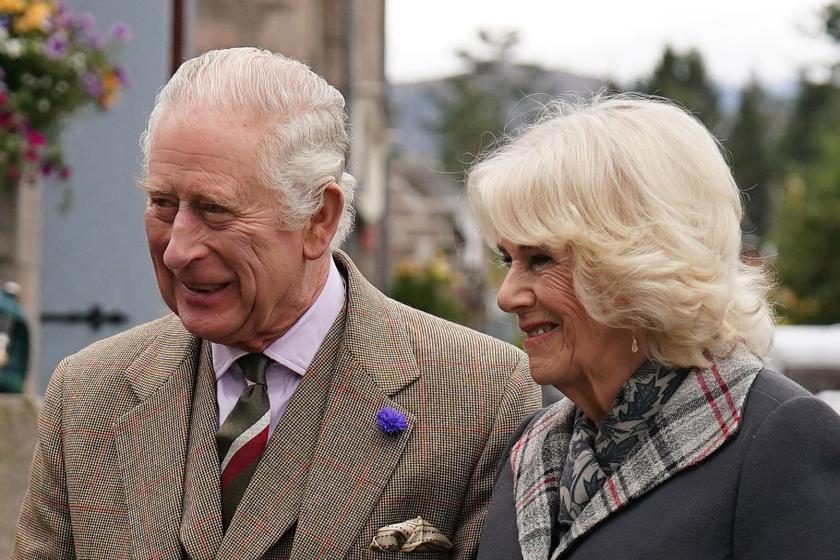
x=638, y=192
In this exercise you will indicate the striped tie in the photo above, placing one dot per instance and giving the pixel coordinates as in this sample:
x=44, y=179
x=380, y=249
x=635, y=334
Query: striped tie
x=244, y=434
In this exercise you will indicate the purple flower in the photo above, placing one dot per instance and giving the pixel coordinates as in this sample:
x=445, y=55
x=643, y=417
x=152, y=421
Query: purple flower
x=85, y=22
x=56, y=46
x=93, y=86
x=63, y=18
x=122, y=76
x=391, y=421
x=95, y=41
x=122, y=32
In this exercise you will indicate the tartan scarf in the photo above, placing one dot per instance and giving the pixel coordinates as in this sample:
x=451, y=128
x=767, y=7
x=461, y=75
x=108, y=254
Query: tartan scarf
x=595, y=453
x=697, y=417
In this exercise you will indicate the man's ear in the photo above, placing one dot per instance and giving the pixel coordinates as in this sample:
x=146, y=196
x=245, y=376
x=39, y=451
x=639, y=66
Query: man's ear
x=322, y=225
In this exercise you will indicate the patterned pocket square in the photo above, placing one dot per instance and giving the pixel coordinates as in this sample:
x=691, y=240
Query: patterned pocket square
x=414, y=535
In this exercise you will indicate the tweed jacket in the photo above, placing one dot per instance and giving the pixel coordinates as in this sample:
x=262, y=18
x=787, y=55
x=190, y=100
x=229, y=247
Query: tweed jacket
x=126, y=465
x=764, y=487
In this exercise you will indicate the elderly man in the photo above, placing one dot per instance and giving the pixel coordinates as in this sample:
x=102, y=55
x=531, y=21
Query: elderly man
x=286, y=409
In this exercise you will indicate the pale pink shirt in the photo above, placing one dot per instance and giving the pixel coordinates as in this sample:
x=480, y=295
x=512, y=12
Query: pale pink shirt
x=291, y=354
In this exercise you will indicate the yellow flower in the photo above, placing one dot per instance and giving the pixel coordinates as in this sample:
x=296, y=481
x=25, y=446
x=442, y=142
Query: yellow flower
x=35, y=17
x=12, y=6
x=407, y=268
x=439, y=269
x=110, y=89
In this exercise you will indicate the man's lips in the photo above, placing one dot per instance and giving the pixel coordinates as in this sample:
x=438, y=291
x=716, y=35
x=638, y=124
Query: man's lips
x=204, y=288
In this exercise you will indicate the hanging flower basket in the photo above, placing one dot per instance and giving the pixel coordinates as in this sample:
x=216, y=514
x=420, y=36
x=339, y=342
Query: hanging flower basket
x=53, y=63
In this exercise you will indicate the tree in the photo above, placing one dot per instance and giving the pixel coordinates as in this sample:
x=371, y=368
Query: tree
x=682, y=78
x=816, y=112
x=474, y=109
x=807, y=232
x=751, y=163
x=807, y=228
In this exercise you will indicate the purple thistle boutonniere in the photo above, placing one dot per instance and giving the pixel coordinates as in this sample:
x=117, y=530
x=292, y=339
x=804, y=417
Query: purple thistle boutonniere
x=391, y=421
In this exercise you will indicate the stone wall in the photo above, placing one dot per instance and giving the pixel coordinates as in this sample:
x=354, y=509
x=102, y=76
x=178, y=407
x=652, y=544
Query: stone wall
x=18, y=414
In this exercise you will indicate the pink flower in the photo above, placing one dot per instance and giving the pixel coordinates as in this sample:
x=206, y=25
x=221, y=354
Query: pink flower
x=35, y=138
x=65, y=173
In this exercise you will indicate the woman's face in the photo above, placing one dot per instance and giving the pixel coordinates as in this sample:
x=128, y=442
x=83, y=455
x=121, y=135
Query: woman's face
x=564, y=344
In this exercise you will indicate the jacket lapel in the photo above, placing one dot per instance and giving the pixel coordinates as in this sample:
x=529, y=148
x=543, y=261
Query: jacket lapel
x=354, y=459
x=201, y=522
x=151, y=440
x=701, y=416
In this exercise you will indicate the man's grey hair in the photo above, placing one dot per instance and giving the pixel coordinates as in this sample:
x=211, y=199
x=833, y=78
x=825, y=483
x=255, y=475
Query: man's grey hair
x=306, y=141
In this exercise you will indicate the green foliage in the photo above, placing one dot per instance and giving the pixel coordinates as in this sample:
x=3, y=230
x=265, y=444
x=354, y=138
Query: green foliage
x=807, y=218
x=473, y=110
x=751, y=163
x=831, y=21
x=682, y=78
x=807, y=233
x=816, y=112
x=430, y=288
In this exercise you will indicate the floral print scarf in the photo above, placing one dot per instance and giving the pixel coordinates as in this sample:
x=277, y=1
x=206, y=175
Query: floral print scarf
x=596, y=452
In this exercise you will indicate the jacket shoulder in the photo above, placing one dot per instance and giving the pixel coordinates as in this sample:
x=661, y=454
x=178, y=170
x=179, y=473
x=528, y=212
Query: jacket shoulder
x=770, y=390
x=127, y=344
x=447, y=337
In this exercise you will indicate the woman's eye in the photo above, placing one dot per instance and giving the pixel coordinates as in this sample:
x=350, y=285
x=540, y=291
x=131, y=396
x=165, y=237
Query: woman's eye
x=503, y=261
x=539, y=261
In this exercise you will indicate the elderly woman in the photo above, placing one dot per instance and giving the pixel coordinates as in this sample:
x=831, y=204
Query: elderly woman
x=618, y=221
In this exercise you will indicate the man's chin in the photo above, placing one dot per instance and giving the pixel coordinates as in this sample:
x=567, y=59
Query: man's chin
x=202, y=328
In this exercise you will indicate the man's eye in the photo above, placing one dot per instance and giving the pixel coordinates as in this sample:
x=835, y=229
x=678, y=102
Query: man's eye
x=161, y=202
x=214, y=208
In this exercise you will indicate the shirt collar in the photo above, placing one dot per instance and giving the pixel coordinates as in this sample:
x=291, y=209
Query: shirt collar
x=298, y=345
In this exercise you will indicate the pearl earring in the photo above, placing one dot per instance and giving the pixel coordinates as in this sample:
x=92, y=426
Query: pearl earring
x=634, y=347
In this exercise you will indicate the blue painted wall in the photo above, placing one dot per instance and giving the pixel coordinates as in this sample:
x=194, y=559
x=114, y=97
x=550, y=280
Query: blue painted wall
x=95, y=253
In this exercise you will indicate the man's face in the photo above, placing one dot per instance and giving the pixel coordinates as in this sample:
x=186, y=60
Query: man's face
x=223, y=263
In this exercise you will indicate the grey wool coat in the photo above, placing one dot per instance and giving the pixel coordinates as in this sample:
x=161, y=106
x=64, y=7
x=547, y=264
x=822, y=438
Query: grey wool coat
x=770, y=490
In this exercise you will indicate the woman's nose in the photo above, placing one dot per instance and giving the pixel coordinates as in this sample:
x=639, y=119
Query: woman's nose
x=515, y=293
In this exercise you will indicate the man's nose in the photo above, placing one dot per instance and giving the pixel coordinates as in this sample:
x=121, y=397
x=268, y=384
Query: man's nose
x=185, y=241
x=514, y=293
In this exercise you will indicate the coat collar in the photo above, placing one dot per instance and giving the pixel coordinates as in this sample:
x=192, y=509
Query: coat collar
x=701, y=416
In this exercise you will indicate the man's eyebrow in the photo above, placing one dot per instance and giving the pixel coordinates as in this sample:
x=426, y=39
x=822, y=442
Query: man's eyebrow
x=208, y=197
x=149, y=187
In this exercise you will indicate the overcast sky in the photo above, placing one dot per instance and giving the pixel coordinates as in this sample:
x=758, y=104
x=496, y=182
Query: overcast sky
x=618, y=39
